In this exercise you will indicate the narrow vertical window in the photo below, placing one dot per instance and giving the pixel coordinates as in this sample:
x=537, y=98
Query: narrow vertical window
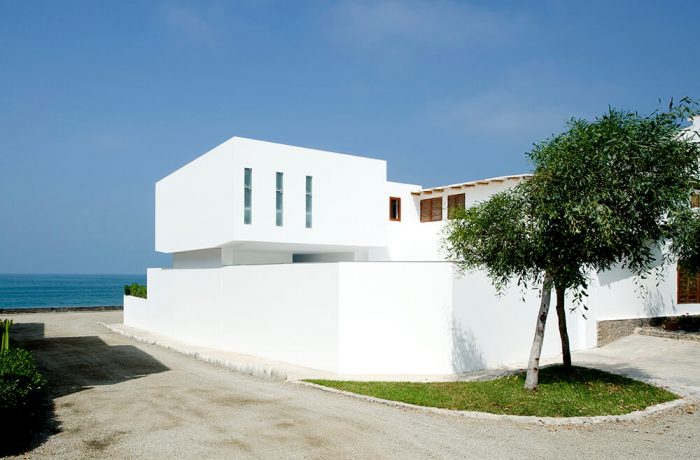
x=248, y=196
x=279, y=198
x=309, y=191
x=395, y=208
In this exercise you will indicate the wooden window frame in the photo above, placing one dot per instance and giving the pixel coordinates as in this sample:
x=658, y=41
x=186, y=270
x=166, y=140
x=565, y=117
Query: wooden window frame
x=427, y=206
x=684, y=292
x=391, y=216
x=455, y=201
x=695, y=199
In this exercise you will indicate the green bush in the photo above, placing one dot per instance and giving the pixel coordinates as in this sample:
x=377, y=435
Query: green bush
x=5, y=326
x=21, y=383
x=135, y=289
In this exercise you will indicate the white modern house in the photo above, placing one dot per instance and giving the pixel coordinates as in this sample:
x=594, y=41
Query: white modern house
x=313, y=258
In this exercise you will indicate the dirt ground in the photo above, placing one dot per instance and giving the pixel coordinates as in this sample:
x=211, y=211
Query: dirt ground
x=116, y=398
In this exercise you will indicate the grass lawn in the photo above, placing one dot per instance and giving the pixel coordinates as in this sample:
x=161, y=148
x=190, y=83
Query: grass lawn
x=584, y=392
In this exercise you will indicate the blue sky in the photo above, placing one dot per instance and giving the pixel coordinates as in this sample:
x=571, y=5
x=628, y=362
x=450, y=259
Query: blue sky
x=98, y=100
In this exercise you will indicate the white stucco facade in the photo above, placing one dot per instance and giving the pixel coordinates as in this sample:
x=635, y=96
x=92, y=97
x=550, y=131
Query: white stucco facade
x=363, y=289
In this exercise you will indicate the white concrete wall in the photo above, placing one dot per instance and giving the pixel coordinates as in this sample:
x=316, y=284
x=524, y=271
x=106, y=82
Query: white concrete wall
x=395, y=318
x=200, y=206
x=492, y=331
x=617, y=294
x=205, y=258
x=413, y=240
x=136, y=310
x=232, y=257
x=347, y=317
x=193, y=204
x=269, y=311
x=283, y=312
x=348, y=209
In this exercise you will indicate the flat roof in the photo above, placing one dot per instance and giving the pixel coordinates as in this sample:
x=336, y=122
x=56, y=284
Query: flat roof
x=474, y=183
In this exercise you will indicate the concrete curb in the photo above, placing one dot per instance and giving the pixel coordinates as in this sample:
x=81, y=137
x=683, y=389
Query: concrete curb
x=256, y=370
x=635, y=416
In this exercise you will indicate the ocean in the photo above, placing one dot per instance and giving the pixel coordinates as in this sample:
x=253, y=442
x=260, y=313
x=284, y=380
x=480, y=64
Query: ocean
x=37, y=291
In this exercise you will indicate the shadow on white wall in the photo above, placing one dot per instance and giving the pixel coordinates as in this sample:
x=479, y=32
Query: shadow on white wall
x=466, y=354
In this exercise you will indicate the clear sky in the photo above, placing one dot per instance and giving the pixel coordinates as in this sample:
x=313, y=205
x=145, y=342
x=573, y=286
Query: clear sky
x=99, y=99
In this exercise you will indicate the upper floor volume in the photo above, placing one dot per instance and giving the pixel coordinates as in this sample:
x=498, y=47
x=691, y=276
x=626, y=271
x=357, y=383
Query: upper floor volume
x=255, y=195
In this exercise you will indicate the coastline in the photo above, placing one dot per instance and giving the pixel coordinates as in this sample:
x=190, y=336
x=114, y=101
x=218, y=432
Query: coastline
x=60, y=309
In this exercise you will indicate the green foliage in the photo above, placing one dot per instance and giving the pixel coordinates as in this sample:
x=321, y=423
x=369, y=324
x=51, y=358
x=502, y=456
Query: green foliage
x=496, y=235
x=5, y=326
x=21, y=383
x=581, y=392
x=603, y=193
x=136, y=290
x=685, y=239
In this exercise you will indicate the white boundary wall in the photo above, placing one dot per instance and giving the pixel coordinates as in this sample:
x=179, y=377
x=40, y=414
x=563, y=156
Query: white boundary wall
x=353, y=318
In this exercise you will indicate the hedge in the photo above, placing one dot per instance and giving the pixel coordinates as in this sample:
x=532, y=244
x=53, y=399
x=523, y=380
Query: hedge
x=135, y=289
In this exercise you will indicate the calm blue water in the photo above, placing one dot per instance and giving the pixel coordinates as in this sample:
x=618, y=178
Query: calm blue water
x=25, y=291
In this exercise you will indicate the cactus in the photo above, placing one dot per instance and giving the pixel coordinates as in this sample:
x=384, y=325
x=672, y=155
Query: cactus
x=5, y=341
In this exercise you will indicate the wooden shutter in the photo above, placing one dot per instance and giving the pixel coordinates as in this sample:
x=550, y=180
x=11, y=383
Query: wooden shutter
x=431, y=209
x=425, y=210
x=688, y=288
x=454, y=202
x=695, y=200
x=436, y=211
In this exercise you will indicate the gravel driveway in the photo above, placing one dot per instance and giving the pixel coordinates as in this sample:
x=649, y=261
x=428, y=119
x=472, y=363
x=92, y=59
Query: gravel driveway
x=120, y=399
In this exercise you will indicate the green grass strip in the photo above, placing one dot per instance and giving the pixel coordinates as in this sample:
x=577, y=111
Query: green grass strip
x=583, y=392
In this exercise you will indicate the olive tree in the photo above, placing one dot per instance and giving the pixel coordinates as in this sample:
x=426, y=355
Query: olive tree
x=603, y=194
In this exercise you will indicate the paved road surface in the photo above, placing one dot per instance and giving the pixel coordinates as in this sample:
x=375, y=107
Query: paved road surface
x=120, y=399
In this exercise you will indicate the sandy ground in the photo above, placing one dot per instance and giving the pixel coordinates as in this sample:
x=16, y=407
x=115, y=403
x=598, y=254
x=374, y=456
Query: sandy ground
x=119, y=399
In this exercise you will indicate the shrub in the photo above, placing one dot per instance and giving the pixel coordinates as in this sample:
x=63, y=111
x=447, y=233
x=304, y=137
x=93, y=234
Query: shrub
x=5, y=326
x=21, y=383
x=24, y=408
x=135, y=289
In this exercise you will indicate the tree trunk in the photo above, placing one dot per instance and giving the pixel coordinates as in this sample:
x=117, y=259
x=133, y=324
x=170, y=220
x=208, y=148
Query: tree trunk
x=533, y=366
x=563, y=333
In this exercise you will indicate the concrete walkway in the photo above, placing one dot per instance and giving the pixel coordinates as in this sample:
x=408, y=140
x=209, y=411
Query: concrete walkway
x=665, y=362
x=117, y=398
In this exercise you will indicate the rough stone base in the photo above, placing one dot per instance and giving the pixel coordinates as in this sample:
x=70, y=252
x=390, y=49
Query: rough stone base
x=676, y=335
x=611, y=330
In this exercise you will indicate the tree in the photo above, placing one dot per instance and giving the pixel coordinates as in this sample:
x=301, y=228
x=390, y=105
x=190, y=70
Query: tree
x=603, y=194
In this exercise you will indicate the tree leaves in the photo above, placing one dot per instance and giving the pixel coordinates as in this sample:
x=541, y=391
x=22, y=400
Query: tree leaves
x=603, y=194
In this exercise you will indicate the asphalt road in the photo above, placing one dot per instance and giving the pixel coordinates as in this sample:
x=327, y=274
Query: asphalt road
x=120, y=399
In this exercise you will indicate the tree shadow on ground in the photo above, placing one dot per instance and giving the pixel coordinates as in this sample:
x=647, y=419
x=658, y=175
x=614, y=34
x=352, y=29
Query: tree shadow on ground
x=71, y=365
x=623, y=369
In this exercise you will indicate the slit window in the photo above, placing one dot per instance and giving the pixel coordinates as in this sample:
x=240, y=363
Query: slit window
x=309, y=201
x=395, y=208
x=431, y=209
x=248, y=196
x=279, y=199
x=454, y=202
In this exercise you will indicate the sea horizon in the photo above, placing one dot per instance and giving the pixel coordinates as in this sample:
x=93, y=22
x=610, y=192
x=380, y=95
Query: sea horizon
x=51, y=290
